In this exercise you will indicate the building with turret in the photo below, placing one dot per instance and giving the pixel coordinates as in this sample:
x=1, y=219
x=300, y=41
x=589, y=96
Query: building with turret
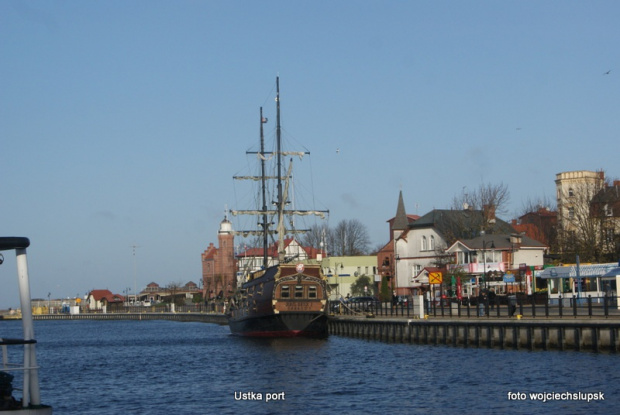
x=219, y=269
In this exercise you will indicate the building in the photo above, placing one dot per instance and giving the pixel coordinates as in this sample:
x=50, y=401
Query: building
x=502, y=262
x=605, y=210
x=588, y=217
x=386, y=263
x=155, y=294
x=251, y=259
x=104, y=300
x=574, y=192
x=423, y=243
x=600, y=282
x=540, y=225
x=219, y=270
x=343, y=271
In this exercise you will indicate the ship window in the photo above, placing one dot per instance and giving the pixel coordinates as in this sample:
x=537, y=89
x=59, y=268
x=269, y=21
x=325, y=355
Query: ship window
x=284, y=291
x=299, y=291
x=312, y=291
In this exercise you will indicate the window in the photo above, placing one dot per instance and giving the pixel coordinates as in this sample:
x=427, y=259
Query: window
x=463, y=257
x=424, y=244
x=299, y=291
x=489, y=256
x=571, y=213
x=432, y=243
x=608, y=235
x=312, y=291
x=608, y=211
x=571, y=193
x=285, y=291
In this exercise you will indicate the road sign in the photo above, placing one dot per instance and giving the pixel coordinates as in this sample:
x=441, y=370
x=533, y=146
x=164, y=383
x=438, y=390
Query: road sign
x=435, y=278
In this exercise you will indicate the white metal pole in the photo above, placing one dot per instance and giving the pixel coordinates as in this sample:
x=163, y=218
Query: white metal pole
x=31, y=377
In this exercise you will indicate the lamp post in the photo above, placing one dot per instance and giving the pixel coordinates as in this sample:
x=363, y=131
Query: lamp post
x=484, y=259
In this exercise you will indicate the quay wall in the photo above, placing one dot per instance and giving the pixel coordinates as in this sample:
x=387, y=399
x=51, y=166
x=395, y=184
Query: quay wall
x=588, y=335
x=186, y=317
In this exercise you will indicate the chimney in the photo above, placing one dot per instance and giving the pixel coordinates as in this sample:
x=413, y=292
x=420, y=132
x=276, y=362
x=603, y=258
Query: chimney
x=489, y=213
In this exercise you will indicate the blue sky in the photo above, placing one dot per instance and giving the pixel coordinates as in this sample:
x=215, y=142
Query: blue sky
x=122, y=122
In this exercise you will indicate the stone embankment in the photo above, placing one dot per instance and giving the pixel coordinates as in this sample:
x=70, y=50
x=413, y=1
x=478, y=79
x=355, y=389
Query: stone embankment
x=598, y=335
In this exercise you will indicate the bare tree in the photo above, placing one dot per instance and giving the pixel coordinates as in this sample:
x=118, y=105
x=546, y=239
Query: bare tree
x=490, y=198
x=579, y=229
x=174, y=288
x=317, y=235
x=350, y=238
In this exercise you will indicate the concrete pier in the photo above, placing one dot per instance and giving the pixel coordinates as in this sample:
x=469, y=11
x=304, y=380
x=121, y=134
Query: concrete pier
x=199, y=317
x=579, y=335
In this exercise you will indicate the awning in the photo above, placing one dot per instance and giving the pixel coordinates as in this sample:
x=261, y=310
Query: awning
x=614, y=272
x=594, y=270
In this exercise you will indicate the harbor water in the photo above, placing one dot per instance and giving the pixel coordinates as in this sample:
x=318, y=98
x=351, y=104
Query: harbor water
x=164, y=367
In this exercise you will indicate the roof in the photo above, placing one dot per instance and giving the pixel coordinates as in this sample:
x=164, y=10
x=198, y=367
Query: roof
x=210, y=252
x=608, y=194
x=272, y=250
x=614, y=272
x=590, y=270
x=106, y=295
x=460, y=224
x=99, y=294
x=400, y=221
x=499, y=242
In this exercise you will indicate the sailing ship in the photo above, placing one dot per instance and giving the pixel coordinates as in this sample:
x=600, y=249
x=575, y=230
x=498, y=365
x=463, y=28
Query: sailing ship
x=281, y=299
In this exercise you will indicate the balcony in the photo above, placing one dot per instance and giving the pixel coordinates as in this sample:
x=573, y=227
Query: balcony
x=478, y=268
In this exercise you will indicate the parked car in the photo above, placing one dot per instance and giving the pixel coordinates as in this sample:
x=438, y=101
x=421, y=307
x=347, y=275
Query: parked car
x=363, y=303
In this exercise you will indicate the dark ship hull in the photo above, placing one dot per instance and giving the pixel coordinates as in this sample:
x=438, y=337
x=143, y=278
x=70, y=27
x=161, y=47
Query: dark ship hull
x=282, y=301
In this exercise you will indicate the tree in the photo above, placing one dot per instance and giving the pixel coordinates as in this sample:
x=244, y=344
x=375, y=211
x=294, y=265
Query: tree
x=174, y=288
x=317, y=235
x=385, y=294
x=492, y=199
x=350, y=238
x=579, y=225
x=362, y=286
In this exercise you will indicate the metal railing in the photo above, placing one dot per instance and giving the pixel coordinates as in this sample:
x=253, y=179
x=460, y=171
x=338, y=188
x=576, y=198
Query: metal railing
x=532, y=306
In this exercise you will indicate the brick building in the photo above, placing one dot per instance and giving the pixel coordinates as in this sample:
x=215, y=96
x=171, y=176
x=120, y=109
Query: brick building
x=219, y=268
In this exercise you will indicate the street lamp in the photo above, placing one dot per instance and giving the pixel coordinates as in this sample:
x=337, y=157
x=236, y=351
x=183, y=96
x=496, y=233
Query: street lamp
x=484, y=258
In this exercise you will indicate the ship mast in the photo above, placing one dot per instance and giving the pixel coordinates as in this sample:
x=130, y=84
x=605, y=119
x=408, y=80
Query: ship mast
x=263, y=120
x=282, y=191
x=280, y=202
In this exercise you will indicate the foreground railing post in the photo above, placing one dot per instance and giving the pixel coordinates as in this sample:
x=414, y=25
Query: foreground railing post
x=574, y=306
x=30, y=394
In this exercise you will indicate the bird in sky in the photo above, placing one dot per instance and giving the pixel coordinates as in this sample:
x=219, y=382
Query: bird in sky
x=607, y=73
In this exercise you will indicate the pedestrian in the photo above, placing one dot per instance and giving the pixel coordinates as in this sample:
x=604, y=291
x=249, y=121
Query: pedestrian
x=481, y=301
x=428, y=301
x=512, y=303
x=492, y=299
